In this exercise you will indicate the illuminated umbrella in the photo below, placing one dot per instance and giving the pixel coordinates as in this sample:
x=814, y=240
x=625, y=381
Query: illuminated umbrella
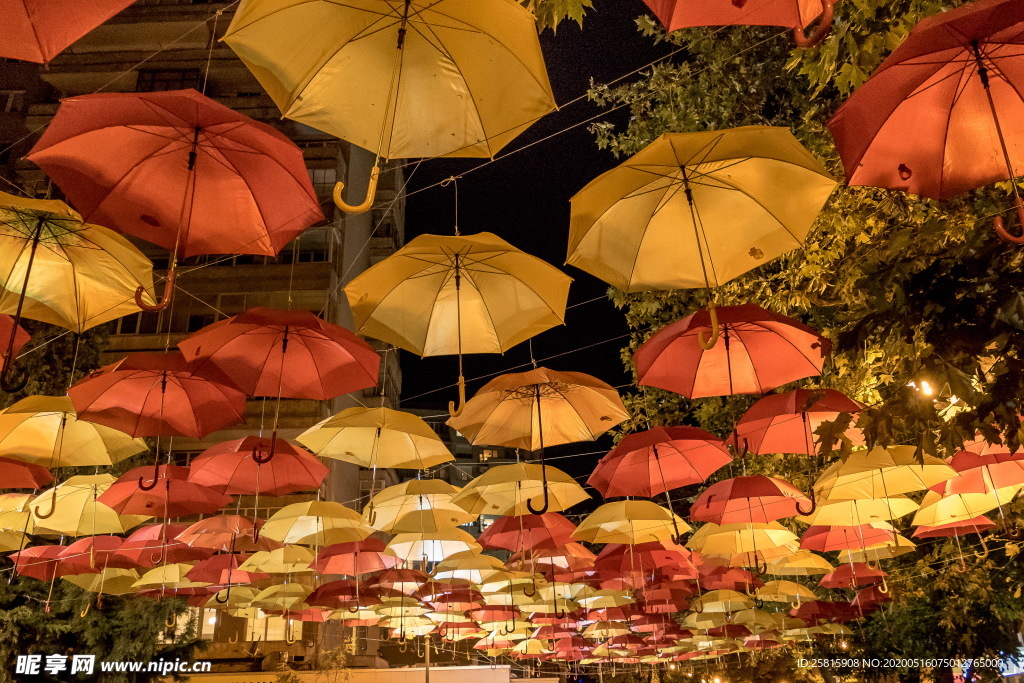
x=540, y=408
x=316, y=522
x=631, y=521
x=761, y=350
x=285, y=596
x=986, y=474
x=852, y=575
x=45, y=430
x=934, y=118
x=418, y=505
x=433, y=546
x=111, y=581
x=784, y=591
x=467, y=566
x=798, y=15
x=484, y=296
x=755, y=539
x=155, y=544
x=179, y=156
x=880, y=472
x=787, y=422
x=15, y=474
x=232, y=467
x=646, y=558
x=39, y=561
x=860, y=511
x=173, y=496
x=37, y=31
x=722, y=601
x=829, y=538
x=714, y=576
x=425, y=79
x=754, y=498
x=354, y=558
x=943, y=504
x=222, y=532
x=406, y=581
x=897, y=545
x=549, y=530
x=509, y=489
x=84, y=275
x=290, y=559
x=695, y=210
x=13, y=540
x=975, y=525
x=88, y=555
x=798, y=563
x=76, y=511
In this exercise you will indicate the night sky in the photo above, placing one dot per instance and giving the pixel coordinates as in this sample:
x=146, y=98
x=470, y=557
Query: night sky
x=525, y=200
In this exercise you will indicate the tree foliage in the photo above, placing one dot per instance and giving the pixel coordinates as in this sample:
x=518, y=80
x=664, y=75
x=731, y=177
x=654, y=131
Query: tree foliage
x=908, y=289
x=550, y=13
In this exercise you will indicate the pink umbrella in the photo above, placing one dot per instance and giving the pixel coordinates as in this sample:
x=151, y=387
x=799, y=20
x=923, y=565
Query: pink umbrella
x=787, y=422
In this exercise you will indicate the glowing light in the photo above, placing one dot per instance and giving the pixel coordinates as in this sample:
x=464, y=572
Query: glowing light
x=842, y=644
x=211, y=620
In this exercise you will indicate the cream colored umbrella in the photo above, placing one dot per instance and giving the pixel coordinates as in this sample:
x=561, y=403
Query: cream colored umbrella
x=784, y=591
x=468, y=566
x=291, y=559
x=45, y=430
x=508, y=489
x=631, y=521
x=289, y=597
x=11, y=541
x=939, y=509
x=604, y=598
x=317, y=522
x=730, y=539
x=799, y=563
x=880, y=473
x=722, y=601
x=169, y=576
x=899, y=545
x=433, y=546
x=756, y=620
x=416, y=506
x=109, y=581
x=859, y=511
x=423, y=78
x=74, y=510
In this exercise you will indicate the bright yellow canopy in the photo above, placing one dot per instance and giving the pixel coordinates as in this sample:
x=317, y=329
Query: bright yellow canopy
x=75, y=511
x=316, y=522
x=859, y=511
x=506, y=489
x=937, y=509
x=82, y=275
x=415, y=506
x=433, y=546
x=730, y=539
x=45, y=430
x=722, y=601
x=630, y=521
x=110, y=581
x=881, y=472
x=732, y=199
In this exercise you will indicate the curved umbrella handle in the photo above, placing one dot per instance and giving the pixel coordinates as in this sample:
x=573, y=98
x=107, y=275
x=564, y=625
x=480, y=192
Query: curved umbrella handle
x=884, y=588
x=371, y=194
x=171, y=621
x=820, y=32
x=289, y=634
x=998, y=226
x=227, y=596
x=85, y=611
x=166, y=297
x=352, y=610
x=53, y=507
x=1013, y=531
x=233, y=638
x=156, y=479
x=452, y=410
x=814, y=504
x=984, y=553
x=543, y=508
x=708, y=343
x=261, y=460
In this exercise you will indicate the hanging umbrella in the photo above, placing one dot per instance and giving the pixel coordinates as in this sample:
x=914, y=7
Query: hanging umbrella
x=985, y=472
x=15, y=474
x=549, y=530
x=316, y=522
x=173, y=496
x=695, y=210
x=509, y=489
x=10, y=331
x=433, y=547
x=859, y=511
x=225, y=569
x=879, y=472
x=936, y=117
x=155, y=544
x=799, y=563
x=83, y=276
x=631, y=521
x=784, y=591
x=291, y=559
x=76, y=511
x=540, y=408
x=754, y=498
x=788, y=422
x=418, y=505
x=852, y=575
x=761, y=350
x=829, y=538
x=88, y=555
x=975, y=525
x=45, y=430
x=38, y=561
x=897, y=545
x=754, y=539
x=231, y=467
x=798, y=15
x=110, y=581
x=354, y=558
x=37, y=31
x=713, y=576
x=485, y=296
x=222, y=532
x=943, y=503
x=646, y=558
x=419, y=79
x=467, y=566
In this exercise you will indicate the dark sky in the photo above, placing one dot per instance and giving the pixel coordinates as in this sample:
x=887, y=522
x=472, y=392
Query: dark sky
x=525, y=200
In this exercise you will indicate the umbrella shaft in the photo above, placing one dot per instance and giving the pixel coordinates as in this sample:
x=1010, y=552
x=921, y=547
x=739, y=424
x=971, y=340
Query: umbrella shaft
x=983, y=75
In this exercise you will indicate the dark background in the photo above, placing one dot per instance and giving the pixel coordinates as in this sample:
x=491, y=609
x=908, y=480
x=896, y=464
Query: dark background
x=525, y=200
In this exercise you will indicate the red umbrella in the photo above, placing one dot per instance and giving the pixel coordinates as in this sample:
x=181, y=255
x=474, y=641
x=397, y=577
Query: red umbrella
x=355, y=558
x=226, y=533
x=787, y=422
x=715, y=577
x=16, y=474
x=39, y=562
x=158, y=394
x=936, y=118
x=758, y=351
x=232, y=467
x=38, y=30
x=15, y=334
x=985, y=472
x=852, y=575
x=343, y=594
x=89, y=555
x=154, y=544
x=405, y=581
x=189, y=174
x=172, y=496
x=287, y=354
x=531, y=532
x=222, y=569
x=645, y=558
x=754, y=498
x=962, y=527
x=854, y=537
x=658, y=460
x=795, y=14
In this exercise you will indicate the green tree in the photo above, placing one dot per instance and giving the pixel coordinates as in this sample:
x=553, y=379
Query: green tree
x=908, y=289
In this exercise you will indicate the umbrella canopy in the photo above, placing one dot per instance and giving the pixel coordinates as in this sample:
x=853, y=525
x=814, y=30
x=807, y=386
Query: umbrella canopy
x=290, y=559
x=158, y=394
x=231, y=467
x=154, y=544
x=111, y=581
x=88, y=555
x=760, y=350
x=784, y=591
x=658, y=460
x=962, y=527
x=754, y=498
x=630, y=521
x=646, y=558
x=799, y=563
x=45, y=430
x=433, y=546
x=515, y=533
x=880, y=472
x=852, y=575
x=316, y=522
x=418, y=505
x=787, y=422
x=37, y=31
x=722, y=601
x=74, y=509
x=173, y=495
x=860, y=510
x=221, y=532
x=15, y=474
x=354, y=558
x=697, y=209
x=677, y=14
x=728, y=539
x=942, y=506
x=985, y=472
x=38, y=561
x=829, y=538
x=507, y=489
x=287, y=354
x=458, y=78
x=377, y=437
x=197, y=152
x=934, y=118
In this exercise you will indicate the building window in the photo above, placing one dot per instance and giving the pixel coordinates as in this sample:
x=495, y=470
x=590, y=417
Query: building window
x=139, y=323
x=12, y=101
x=197, y=322
x=159, y=80
x=323, y=180
x=489, y=454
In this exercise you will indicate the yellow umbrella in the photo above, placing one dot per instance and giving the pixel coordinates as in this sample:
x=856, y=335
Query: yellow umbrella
x=697, y=210
x=784, y=591
x=74, y=510
x=57, y=269
x=702, y=621
x=601, y=599
x=15, y=502
x=45, y=430
x=403, y=606
x=508, y=489
x=468, y=566
x=939, y=509
x=316, y=522
x=418, y=505
x=895, y=547
x=433, y=546
x=425, y=79
x=730, y=539
x=722, y=601
x=442, y=296
x=290, y=559
x=799, y=563
x=282, y=596
x=859, y=511
x=630, y=521
x=880, y=473
x=540, y=408
x=170, y=576
x=11, y=541
x=756, y=620
x=110, y=581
